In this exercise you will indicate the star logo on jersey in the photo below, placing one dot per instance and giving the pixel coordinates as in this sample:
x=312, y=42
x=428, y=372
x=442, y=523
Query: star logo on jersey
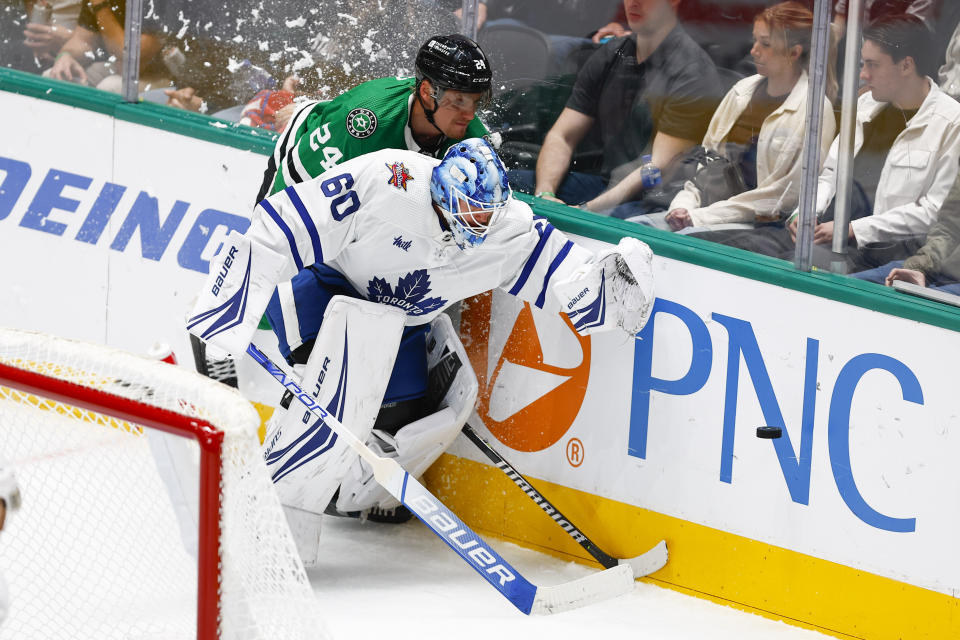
x=398, y=175
x=361, y=123
x=410, y=294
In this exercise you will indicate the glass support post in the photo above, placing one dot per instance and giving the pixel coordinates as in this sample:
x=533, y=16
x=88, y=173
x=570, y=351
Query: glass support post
x=468, y=25
x=131, y=50
x=810, y=166
x=848, y=124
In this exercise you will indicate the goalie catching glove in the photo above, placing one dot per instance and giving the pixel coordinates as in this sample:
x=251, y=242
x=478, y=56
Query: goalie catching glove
x=613, y=290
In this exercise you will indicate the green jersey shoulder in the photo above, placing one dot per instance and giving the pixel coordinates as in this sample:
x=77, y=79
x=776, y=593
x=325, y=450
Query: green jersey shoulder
x=369, y=117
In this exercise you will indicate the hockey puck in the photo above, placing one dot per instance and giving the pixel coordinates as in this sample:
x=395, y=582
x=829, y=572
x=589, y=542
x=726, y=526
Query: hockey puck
x=769, y=433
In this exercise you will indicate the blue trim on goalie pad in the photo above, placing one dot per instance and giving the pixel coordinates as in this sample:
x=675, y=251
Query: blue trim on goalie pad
x=313, y=289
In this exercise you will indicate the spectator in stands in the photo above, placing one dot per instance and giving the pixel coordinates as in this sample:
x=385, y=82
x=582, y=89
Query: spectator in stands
x=220, y=57
x=650, y=92
x=874, y=10
x=572, y=18
x=93, y=55
x=456, y=8
x=759, y=128
x=721, y=27
x=937, y=263
x=613, y=29
x=939, y=16
x=48, y=26
x=266, y=55
x=907, y=146
x=949, y=74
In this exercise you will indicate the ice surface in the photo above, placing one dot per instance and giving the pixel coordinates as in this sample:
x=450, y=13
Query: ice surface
x=400, y=581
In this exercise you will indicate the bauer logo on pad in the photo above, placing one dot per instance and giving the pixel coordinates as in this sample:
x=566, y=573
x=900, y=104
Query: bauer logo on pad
x=230, y=313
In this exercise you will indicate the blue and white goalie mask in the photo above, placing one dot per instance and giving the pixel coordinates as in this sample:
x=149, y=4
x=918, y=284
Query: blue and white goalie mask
x=470, y=188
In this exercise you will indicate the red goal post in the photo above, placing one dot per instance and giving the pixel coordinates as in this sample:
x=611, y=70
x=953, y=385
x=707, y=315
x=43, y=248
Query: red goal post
x=108, y=543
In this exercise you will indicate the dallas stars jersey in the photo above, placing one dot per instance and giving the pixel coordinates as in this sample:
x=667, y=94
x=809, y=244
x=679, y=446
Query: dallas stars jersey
x=369, y=117
x=371, y=220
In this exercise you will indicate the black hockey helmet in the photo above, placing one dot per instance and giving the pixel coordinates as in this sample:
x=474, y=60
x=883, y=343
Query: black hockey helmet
x=454, y=62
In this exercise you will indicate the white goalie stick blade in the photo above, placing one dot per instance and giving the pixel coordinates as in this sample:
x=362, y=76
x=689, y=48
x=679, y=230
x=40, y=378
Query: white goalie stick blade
x=579, y=593
x=649, y=562
x=524, y=595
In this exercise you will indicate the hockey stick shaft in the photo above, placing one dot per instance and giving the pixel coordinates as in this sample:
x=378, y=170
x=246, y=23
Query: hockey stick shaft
x=642, y=565
x=500, y=463
x=524, y=595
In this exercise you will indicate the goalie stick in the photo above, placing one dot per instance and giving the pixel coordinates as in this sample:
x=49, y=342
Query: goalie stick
x=439, y=379
x=526, y=596
x=642, y=565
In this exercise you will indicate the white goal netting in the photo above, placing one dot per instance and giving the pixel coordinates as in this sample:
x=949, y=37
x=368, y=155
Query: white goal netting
x=115, y=512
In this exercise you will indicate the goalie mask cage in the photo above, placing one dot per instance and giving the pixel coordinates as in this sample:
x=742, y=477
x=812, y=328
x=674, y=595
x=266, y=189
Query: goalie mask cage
x=99, y=548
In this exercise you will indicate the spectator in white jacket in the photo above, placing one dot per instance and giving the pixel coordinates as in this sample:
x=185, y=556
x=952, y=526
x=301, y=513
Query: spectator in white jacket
x=759, y=126
x=906, y=181
x=906, y=145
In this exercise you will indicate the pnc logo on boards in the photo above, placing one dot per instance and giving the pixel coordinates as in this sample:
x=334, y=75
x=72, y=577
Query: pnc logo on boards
x=532, y=390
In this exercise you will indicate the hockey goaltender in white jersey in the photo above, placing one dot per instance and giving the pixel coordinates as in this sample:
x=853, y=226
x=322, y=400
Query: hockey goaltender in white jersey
x=413, y=235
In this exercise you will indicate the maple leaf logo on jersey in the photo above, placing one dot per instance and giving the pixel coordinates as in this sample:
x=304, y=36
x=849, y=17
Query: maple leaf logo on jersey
x=409, y=294
x=398, y=175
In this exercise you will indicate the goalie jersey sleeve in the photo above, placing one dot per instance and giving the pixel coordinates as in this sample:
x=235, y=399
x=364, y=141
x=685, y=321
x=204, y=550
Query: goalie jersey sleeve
x=596, y=291
x=548, y=256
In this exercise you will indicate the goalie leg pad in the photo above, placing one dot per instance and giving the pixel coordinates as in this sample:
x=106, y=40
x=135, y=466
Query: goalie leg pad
x=242, y=278
x=415, y=447
x=305, y=527
x=347, y=372
x=452, y=386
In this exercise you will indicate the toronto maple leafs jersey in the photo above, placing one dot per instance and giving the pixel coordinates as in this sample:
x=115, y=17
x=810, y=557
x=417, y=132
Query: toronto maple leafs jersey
x=371, y=219
x=371, y=116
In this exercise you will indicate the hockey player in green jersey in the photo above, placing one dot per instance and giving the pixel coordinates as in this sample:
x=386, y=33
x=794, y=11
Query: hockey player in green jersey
x=427, y=114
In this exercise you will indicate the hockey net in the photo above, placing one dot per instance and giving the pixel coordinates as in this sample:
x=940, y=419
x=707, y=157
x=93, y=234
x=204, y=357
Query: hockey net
x=113, y=540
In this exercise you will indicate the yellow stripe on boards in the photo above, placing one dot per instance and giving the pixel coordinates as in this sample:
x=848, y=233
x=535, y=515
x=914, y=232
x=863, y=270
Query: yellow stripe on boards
x=729, y=569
